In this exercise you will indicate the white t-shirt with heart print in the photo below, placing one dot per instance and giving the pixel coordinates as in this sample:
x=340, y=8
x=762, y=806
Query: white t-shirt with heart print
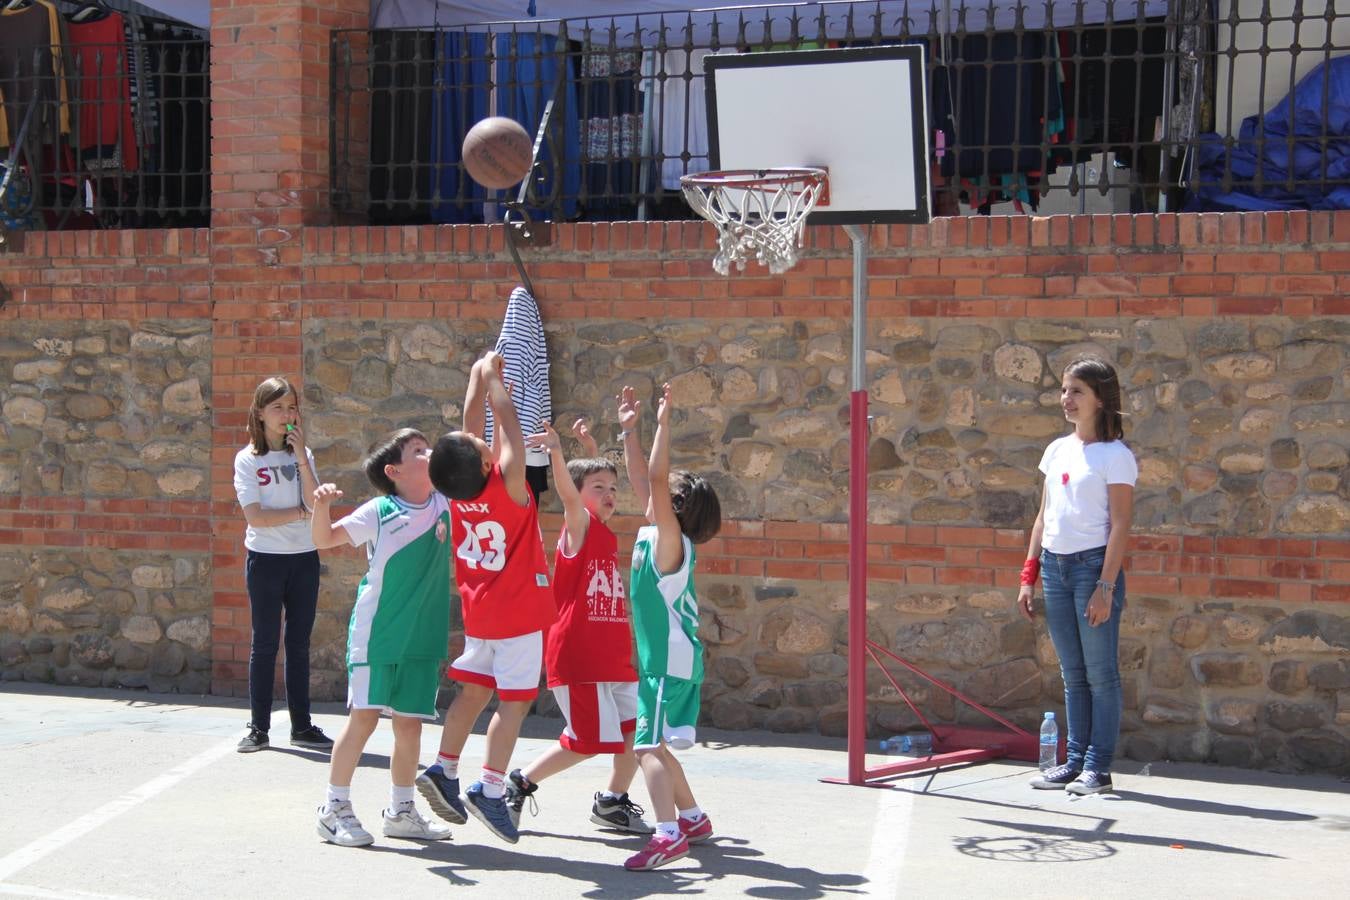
x=273, y=481
x=1077, y=515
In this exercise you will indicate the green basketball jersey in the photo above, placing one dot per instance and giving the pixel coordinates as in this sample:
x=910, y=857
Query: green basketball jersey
x=402, y=609
x=665, y=613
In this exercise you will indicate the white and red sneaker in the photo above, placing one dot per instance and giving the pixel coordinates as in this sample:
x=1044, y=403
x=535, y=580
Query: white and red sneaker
x=659, y=851
x=695, y=831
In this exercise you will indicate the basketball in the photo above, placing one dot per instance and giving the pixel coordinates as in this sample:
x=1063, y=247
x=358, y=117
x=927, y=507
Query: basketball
x=498, y=152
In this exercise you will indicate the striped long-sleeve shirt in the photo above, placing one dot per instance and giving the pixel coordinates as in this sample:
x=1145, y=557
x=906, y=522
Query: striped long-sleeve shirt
x=521, y=344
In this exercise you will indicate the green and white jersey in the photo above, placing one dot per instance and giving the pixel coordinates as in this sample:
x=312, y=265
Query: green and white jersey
x=665, y=613
x=402, y=609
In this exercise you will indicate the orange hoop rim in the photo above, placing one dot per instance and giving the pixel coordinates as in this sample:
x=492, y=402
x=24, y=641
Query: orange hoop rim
x=755, y=178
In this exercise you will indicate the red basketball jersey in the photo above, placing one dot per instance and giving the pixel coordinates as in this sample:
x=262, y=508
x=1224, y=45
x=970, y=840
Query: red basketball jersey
x=593, y=638
x=499, y=564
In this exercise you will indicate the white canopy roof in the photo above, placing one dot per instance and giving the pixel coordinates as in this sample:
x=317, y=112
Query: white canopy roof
x=424, y=13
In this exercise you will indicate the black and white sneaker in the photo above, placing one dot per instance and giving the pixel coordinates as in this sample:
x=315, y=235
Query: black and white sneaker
x=518, y=788
x=1055, y=779
x=255, y=740
x=312, y=738
x=1090, y=783
x=619, y=813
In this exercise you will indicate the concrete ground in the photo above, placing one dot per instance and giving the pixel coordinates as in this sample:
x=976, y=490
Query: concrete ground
x=110, y=794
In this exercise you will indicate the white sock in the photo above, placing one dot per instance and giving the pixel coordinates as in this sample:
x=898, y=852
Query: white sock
x=693, y=813
x=449, y=763
x=494, y=783
x=337, y=793
x=400, y=797
x=669, y=830
x=609, y=795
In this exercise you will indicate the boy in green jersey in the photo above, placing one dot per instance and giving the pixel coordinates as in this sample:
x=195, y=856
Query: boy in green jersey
x=396, y=644
x=684, y=511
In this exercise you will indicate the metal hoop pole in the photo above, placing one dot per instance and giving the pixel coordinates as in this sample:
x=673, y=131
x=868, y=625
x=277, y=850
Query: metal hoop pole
x=857, y=519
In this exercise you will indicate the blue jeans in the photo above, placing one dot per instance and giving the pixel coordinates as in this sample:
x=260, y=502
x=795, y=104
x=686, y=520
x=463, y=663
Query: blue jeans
x=281, y=584
x=1087, y=655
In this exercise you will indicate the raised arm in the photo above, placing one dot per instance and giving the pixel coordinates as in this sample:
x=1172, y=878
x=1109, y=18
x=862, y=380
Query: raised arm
x=630, y=410
x=575, y=518
x=475, y=415
x=669, y=539
x=321, y=526
x=508, y=441
x=295, y=439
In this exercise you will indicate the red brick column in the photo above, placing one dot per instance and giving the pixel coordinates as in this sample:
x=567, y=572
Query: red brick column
x=269, y=180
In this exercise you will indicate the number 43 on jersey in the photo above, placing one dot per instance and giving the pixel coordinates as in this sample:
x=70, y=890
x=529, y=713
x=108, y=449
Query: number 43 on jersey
x=483, y=546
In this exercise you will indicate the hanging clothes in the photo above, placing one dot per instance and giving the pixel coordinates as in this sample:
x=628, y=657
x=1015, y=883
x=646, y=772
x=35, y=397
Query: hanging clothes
x=1003, y=99
x=611, y=130
x=678, y=106
x=28, y=74
x=99, y=54
x=521, y=343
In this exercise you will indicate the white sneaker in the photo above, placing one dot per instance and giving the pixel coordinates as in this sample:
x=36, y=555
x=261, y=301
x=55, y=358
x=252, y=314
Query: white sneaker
x=408, y=823
x=339, y=825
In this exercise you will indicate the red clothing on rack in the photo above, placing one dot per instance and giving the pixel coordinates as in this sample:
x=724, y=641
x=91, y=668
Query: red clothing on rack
x=100, y=51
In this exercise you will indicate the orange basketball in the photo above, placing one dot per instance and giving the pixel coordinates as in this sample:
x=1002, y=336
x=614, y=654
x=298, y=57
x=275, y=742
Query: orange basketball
x=498, y=152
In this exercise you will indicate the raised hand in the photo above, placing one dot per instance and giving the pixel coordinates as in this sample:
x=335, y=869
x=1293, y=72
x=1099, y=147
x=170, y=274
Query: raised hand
x=547, y=439
x=582, y=432
x=630, y=407
x=496, y=362
x=325, y=494
x=663, y=405
x=295, y=437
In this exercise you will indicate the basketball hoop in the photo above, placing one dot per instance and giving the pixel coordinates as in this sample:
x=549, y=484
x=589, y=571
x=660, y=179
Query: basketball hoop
x=756, y=211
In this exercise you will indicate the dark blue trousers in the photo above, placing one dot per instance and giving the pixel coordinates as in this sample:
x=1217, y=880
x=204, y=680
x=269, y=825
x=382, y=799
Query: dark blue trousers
x=281, y=585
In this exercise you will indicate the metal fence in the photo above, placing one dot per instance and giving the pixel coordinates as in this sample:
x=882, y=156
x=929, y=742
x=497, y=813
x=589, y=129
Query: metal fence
x=1046, y=107
x=106, y=135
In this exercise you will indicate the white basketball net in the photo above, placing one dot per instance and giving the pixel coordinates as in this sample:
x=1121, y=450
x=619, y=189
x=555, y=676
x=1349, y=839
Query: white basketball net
x=759, y=212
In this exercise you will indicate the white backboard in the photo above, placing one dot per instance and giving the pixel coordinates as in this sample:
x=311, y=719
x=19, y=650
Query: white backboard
x=861, y=113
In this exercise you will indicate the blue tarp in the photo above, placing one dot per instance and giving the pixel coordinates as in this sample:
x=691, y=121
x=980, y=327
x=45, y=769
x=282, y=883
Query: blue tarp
x=1286, y=142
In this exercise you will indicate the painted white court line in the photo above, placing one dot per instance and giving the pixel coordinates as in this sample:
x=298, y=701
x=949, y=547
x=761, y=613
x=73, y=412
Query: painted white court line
x=27, y=855
x=890, y=835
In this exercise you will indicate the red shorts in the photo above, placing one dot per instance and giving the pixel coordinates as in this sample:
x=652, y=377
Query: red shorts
x=598, y=714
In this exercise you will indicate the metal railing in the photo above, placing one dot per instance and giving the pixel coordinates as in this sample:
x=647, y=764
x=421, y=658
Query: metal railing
x=118, y=136
x=1043, y=105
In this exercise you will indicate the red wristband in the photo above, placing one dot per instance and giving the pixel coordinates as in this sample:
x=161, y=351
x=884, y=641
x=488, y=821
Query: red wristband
x=1031, y=570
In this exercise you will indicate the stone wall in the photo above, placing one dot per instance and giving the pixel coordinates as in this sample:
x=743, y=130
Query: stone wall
x=1238, y=424
x=105, y=429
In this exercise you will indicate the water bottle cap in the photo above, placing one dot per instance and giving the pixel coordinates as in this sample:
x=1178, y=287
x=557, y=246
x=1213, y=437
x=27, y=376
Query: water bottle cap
x=1049, y=715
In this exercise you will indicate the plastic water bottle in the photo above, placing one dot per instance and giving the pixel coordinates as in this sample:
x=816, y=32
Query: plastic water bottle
x=915, y=744
x=1049, y=742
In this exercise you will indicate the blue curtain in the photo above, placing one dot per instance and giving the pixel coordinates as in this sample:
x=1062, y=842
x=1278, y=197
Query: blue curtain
x=459, y=99
x=528, y=68
x=526, y=73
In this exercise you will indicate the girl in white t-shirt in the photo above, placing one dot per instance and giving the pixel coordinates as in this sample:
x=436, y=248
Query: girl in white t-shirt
x=273, y=476
x=1078, y=547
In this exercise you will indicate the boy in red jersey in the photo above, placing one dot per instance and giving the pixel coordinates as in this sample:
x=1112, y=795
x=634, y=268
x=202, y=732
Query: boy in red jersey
x=505, y=593
x=589, y=650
